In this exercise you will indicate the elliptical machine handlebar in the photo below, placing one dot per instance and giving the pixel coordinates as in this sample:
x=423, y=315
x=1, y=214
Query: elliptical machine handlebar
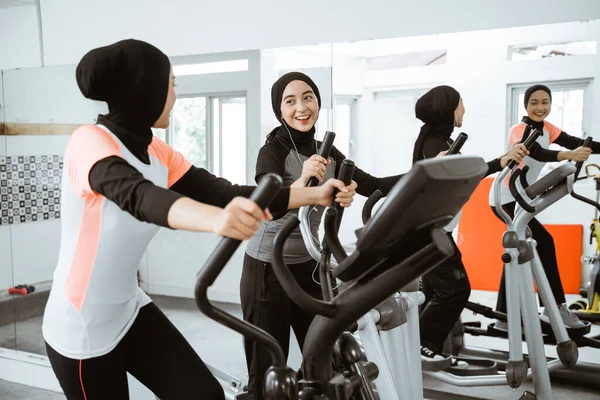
x=510, y=166
x=335, y=219
x=370, y=203
x=528, y=142
x=512, y=185
x=458, y=144
x=303, y=212
x=586, y=143
x=263, y=195
x=324, y=152
x=579, y=165
x=346, y=174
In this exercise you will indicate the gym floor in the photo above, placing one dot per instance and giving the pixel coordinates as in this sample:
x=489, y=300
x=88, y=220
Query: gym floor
x=212, y=341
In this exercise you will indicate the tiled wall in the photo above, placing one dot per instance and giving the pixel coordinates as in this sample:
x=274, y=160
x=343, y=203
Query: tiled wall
x=30, y=188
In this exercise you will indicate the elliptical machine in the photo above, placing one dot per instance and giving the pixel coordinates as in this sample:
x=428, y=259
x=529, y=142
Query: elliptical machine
x=375, y=271
x=389, y=333
x=522, y=265
x=590, y=310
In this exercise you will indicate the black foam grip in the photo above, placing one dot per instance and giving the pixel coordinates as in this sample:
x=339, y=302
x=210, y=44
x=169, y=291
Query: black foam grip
x=528, y=142
x=458, y=143
x=324, y=151
x=347, y=171
x=586, y=143
x=266, y=190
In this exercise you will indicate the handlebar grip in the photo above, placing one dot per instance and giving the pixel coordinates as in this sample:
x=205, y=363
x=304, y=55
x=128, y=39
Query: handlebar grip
x=528, y=142
x=347, y=171
x=586, y=143
x=533, y=137
x=513, y=190
x=324, y=151
x=345, y=175
x=266, y=190
x=458, y=144
x=370, y=203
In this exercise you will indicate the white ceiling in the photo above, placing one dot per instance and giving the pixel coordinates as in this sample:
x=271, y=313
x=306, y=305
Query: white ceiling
x=16, y=3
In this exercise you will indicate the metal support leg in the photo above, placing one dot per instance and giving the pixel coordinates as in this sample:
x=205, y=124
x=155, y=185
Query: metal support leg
x=516, y=370
x=401, y=346
x=566, y=348
x=369, y=337
x=545, y=292
x=533, y=334
x=413, y=339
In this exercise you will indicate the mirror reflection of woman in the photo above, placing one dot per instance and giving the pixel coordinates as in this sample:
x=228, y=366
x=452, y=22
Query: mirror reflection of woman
x=538, y=105
x=446, y=287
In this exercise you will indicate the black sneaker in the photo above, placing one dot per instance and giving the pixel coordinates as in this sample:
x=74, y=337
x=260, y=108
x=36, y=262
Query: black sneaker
x=432, y=361
x=429, y=355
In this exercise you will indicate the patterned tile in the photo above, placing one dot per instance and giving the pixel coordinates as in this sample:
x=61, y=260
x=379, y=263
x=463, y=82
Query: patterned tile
x=30, y=188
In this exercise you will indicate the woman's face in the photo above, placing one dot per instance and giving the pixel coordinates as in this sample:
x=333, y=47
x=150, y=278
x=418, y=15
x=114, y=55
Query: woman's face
x=299, y=106
x=163, y=121
x=459, y=113
x=539, y=105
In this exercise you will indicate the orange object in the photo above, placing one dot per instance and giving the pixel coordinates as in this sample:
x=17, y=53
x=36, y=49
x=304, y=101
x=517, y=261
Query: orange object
x=481, y=244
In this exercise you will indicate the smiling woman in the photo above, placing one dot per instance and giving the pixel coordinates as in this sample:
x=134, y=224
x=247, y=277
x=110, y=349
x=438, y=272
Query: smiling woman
x=538, y=104
x=291, y=152
x=299, y=107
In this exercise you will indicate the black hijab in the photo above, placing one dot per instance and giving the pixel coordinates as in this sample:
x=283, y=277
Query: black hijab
x=277, y=95
x=436, y=109
x=132, y=77
x=528, y=93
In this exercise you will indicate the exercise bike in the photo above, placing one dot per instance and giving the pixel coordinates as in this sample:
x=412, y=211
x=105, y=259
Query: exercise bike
x=333, y=365
x=590, y=310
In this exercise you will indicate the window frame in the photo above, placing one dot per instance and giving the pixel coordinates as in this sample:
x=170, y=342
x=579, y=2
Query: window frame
x=210, y=125
x=351, y=101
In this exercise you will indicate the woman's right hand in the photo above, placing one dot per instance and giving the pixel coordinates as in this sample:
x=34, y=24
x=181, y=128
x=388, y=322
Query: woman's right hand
x=314, y=166
x=240, y=219
x=517, y=153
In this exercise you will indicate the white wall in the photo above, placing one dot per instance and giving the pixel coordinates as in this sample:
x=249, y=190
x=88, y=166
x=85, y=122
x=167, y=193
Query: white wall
x=19, y=38
x=183, y=27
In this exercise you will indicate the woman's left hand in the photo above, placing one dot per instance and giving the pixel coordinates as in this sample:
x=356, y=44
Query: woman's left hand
x=344, y=197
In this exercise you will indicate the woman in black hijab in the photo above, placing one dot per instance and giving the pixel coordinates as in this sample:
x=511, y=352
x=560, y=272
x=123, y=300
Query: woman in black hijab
x=290, y=151
x=446, y=287
x=98, y=324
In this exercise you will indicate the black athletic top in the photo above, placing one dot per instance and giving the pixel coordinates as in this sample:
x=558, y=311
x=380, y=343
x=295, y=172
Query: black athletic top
x=279, y=156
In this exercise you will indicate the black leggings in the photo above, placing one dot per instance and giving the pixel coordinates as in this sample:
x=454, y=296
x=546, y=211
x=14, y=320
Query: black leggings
x=447, y=290
x=153, y=351
x=547, y=253
x=266, y=305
